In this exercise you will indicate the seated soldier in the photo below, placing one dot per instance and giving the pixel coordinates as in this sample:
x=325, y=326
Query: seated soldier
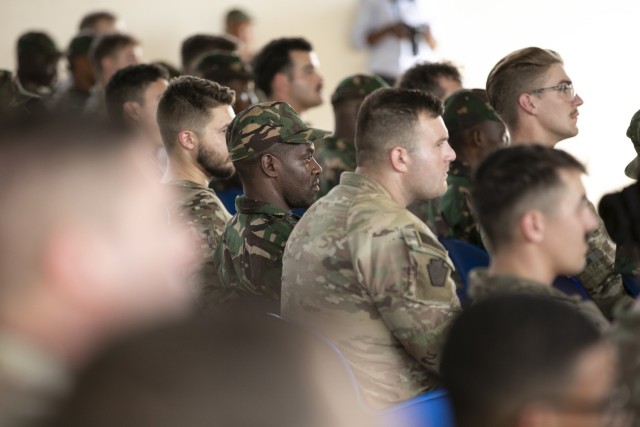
x=524, y=361
x=272, y=150
x=533, y=209
x=365, y=272
x=337, y=153
x=475, y=130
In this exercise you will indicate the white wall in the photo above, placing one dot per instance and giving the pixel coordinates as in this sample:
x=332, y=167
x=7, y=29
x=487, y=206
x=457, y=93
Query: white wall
x=595, y=38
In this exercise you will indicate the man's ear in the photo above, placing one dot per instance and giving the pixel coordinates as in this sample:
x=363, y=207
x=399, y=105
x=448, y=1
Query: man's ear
x=477, y=137
x=280, y=83
x=270, y=165
x=532, y=226
x=188, y=139
x=132, y=109
x=399, y=157
x=527, y=103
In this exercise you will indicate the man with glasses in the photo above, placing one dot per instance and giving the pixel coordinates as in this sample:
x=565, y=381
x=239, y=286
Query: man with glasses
x=531, y=91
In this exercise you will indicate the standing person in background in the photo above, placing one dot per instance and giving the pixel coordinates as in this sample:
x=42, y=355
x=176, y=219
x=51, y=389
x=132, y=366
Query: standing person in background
x=239, y=24
x=397, y=34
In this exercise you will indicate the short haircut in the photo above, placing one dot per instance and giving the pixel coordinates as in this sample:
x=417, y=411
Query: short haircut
x=517, y=73
x=387, y=119
x=195, y=46
x=511, y=181
x=274, y=58
x=129, y=84
x=108, y=45
x=425, y=76
x=187, y=104
x=506, y=352
x=90, y=20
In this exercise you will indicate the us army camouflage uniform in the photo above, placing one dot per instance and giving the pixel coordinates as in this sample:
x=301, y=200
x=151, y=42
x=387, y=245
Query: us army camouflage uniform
x=336, y=155
x=370, y=276
x=456, y=208
x=482, y=286
x=599, y=277
x=200, y=208
x=249, y=256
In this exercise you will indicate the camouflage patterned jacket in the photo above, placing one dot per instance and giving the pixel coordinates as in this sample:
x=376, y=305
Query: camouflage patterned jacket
x=600, y=279
x=482, y=286
x=455, y=206
x=336, y=155
x=199, y=207
x=626, y=336
x=370, y=276
x=249, y=256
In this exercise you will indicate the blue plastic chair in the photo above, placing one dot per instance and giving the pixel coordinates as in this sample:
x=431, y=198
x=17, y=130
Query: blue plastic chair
x=570, y=286
x=465, y=257
x=228, y=198
x=632, y=284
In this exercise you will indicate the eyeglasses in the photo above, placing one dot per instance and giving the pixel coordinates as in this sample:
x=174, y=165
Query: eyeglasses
x=564, y=88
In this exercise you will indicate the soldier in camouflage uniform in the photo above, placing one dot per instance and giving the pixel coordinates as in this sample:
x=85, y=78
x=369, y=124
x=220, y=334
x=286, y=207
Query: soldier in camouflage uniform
x=337, y=153
x=533, y=94
x=272, y=150
x=365, y=272
x=193, y=116
x=475, y=130
x=532, y=206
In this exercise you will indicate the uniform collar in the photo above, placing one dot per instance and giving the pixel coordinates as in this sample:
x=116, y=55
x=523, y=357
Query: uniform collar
x=353, y=179
x=245, y=205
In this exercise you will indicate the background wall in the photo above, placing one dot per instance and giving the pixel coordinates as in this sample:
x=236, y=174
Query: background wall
x=596, y=39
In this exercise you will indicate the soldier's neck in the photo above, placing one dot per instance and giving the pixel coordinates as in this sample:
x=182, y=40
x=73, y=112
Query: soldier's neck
x=178, y=170
x=527, y=266
x=532, y=133
x=390, y=182
x=268, y=195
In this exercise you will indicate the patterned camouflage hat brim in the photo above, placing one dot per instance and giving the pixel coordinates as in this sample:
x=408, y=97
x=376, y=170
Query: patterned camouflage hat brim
x=259, y=127
x=467, y=108
x=32, y=42
x=357, y=86
x=633, y=133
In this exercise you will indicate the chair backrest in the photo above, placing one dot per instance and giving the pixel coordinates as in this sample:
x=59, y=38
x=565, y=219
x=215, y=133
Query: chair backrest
x=570, y=286
x=632, y=284
x=465, y=257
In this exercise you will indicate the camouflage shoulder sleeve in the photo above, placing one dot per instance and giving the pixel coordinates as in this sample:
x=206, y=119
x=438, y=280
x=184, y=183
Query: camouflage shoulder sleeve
x=207, y=213
x=408, y=275
x=600, y=280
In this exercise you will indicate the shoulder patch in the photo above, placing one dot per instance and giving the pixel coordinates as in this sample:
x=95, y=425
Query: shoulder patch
x=438, y=272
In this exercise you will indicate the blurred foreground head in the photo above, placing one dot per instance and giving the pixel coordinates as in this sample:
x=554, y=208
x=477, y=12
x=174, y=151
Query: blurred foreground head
x=527, y=361
x=91, y=252
x=232, y=370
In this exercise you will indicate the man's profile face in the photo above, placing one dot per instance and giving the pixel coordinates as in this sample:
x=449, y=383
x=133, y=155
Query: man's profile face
x=213, y=155
x=557, y=110
x=301, y=175
x=567, y=224
x=305, y=80
x=430, y=159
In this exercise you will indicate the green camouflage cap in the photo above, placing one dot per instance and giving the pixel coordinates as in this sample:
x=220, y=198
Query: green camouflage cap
x=357, y=86
x=466, y=108
x=261, y=126
x=80, y=44
x=32, y=42
x=633, y=133
x=221, y=61
x=238, y=15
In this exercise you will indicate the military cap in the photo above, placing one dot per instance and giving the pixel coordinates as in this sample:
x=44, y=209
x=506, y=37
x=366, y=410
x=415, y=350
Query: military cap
x=633, y=133
x=261, y=126
x=35, y=42
x=80, y=44
x=466, y=108
x=221, y=61
x=357, y=86
x=238, y=15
